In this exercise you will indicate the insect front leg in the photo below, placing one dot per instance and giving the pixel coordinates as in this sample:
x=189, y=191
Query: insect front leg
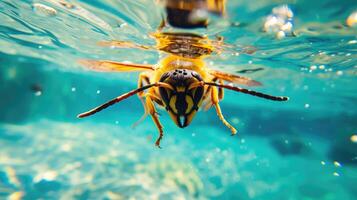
x=215, y=100
x=143, y=80
x=208, y=93
x=152, y=111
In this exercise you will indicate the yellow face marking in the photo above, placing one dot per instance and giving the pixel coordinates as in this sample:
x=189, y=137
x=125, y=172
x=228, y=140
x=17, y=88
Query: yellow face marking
x=190, y=116
x=173, y=117
x=194, y=91
x=189, y=102
x=181, y=89
x=173, y=103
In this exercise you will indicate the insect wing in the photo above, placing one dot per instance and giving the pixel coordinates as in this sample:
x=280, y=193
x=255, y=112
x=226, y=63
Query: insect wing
x=111, y=66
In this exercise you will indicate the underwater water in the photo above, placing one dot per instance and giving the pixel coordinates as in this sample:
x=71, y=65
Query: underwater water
x=305, y=148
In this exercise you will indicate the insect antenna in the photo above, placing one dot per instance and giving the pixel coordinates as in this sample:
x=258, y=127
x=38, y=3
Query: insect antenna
x=250, y=92
x=243, y=90
x=122, y=97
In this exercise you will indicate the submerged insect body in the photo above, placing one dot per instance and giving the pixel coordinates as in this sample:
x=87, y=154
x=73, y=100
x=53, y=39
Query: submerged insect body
x=181, y=83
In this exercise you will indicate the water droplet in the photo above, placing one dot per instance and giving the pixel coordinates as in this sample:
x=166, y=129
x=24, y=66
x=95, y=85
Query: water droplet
x=307, y=105
x=66, y=147
x=352, y=19
x=98, y=91
x=280, y=35
x=323, y=163
x=47, y=175
x=339, y=73
x=38, y=93
x=235, y=120
x=73, y=89
x=313, y=67
x=123, y=25
x=337, y=164
x=336, y=174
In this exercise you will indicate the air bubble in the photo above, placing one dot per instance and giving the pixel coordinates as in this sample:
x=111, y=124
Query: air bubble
x=313, y=67
x=337, y=164
x=354, y=138
x=352, y=19
x=280, y=35
x=38, y=93
x=339, y=73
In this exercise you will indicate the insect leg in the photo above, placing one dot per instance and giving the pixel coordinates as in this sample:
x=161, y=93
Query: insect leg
x=142, y=78
x=215, y=100
x=152, y=111
x=220, y=94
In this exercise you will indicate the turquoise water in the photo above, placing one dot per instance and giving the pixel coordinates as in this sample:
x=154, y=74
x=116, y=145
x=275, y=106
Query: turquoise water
x=300, y=149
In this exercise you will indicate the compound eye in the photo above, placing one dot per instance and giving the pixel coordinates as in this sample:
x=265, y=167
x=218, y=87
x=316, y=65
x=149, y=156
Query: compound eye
x=165, y=95
x=197, y=94
x=197, y=76
x=164, y=76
